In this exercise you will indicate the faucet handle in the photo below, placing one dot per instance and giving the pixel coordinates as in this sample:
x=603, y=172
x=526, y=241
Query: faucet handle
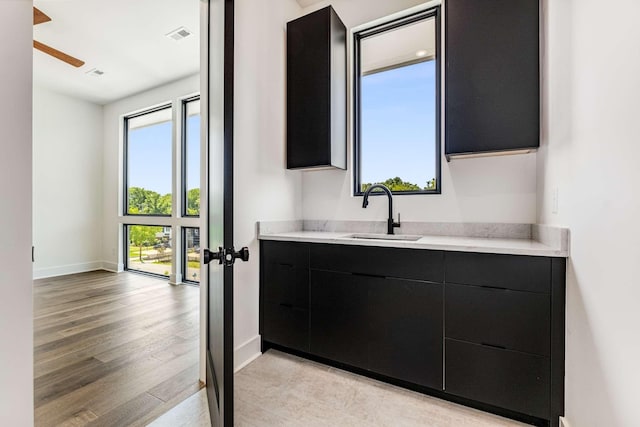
x=396, y=224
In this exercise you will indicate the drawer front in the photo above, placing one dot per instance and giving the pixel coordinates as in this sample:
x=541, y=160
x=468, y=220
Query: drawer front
x=338, y=324
x=524, y=273
x=286, y=284
x=402, y=263
x=505, y=318
x=506, y=379
x=286, y=326
x=288, y=253
x=406, y=330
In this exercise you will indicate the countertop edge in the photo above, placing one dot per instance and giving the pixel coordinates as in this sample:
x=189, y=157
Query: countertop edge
x=544, y=251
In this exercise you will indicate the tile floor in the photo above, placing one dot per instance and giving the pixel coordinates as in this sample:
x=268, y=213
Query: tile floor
x=279, y=389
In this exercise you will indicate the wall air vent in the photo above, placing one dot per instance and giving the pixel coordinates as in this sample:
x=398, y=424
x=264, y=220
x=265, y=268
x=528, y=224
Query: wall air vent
x=95, y=72
x=179, y=34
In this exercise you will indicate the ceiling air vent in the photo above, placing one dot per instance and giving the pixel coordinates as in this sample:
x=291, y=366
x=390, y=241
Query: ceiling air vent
x=95, y=72
x=179, y=34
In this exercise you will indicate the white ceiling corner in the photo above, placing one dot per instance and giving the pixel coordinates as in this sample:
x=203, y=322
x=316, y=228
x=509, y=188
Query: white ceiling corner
x=305, y=3
x=124, y=38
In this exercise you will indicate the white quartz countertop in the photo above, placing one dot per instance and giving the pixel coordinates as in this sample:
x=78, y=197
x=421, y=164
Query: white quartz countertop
x=513, y=246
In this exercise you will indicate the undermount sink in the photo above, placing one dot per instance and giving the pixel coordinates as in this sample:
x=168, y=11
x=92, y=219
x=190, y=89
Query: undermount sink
x=380, y=236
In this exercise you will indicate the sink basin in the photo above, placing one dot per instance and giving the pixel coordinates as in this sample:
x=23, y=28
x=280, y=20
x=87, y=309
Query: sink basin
x=379, y=236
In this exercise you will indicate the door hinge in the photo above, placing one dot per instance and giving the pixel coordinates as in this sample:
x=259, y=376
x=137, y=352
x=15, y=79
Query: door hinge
x=226, y=256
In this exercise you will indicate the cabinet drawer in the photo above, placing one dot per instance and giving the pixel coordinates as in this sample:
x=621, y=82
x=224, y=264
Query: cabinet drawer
x=406, y=330
x=287, y=326
x=524, y=273
x=338, y=324
x=286, y=284
x=500, y=317
x=506, y=379
x=387, y=262
x=288, y=253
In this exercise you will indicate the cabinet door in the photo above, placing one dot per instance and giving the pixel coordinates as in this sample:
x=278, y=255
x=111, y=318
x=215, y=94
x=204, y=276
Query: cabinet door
x=338, y=325
x=316, y=91
x=285, y=273
x=500, y=317
x=507, y=379
x=517, y=272
x=406, y=330
x=285, y=294
x=403, y=263
x=492, y=92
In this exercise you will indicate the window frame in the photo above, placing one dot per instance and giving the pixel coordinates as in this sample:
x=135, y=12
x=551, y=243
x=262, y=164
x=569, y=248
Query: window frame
x=358, y=36
x=126, y=227
x=185, y=256
x=125, y=166
x=183, y=160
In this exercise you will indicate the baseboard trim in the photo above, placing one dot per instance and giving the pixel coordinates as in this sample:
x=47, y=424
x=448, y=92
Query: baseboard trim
x=112, y=267
x=246, y=353
x=63, y=270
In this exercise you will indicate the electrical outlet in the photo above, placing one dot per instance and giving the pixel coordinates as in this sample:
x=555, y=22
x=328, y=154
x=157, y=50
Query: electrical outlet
x=554, y=202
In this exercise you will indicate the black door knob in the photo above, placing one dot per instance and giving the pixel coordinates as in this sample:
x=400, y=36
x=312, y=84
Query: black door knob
x=243, y=254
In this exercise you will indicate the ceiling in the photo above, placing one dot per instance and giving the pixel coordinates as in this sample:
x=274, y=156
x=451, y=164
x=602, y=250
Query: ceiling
x=400, y=46
x=305, y=3
x=123, y=38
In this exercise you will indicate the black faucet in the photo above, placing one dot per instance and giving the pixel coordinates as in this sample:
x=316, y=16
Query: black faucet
x=391, y=224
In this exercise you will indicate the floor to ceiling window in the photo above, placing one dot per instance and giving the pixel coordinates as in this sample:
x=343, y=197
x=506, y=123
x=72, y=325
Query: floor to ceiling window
x=161, y=191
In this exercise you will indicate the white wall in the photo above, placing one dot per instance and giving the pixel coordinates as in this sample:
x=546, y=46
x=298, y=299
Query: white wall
x=498, y=189
x=112, y=159
x=590, y=154
x=264, y=189
x=16, y=312
x=67, y=184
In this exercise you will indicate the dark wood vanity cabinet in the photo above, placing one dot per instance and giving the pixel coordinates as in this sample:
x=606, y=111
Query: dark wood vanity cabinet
x=378, y=316
x=485, y=330
x=492, y=84
x=284, y=308
x=339, y=326
x=317, y=91
x=504, y=331
x=385, y=321
x=405, y=330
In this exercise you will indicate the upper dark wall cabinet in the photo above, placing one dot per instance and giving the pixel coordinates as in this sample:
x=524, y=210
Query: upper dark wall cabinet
x=317, y=91
x=492, y=85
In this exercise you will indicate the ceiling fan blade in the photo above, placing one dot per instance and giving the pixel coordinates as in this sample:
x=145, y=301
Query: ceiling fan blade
x=39, y=16
x=57, y=54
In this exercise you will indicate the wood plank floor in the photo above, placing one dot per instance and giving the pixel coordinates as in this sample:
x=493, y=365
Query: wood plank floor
x=112, y=349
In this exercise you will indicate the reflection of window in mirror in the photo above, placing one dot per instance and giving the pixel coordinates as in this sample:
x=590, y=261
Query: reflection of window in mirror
x=397, y=105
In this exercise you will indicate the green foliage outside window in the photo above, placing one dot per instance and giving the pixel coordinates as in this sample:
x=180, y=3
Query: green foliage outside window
x=144, y=236
x=193, y=202
x=397, y=185
x=147, y=202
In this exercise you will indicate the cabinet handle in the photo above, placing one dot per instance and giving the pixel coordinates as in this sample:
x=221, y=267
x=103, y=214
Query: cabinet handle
x=286, y=305
x=494, y=346
x=376, y=276
x=495, y=288
x=285, y=265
